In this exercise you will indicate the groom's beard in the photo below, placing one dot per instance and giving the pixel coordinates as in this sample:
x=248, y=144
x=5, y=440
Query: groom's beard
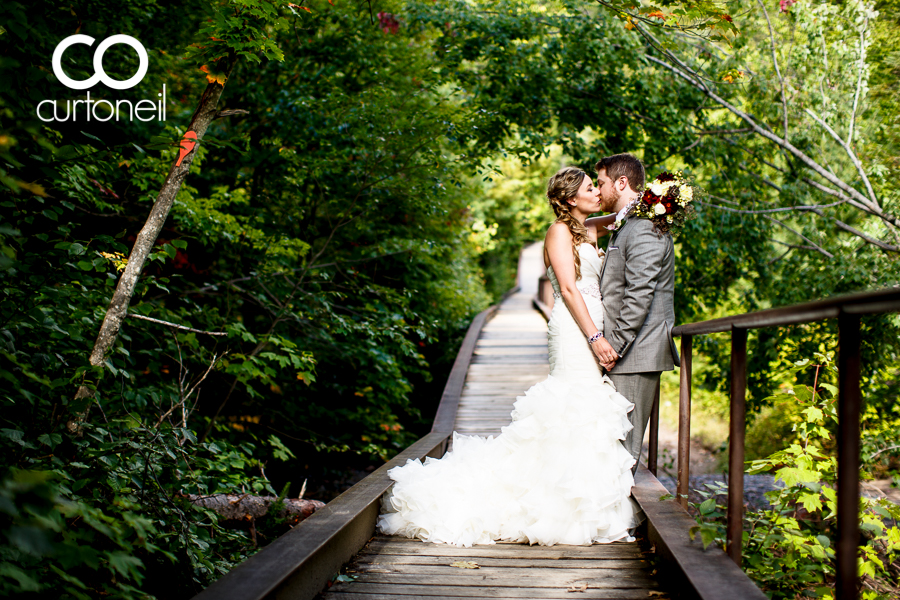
x=613, y=205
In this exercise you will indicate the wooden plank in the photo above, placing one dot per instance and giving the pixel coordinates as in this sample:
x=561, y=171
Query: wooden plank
x=710, y=572
x=446, y=412
x=503, y=412
x=539, y=578
x=518, y=562
x=557, y=571
x=404, y=546
x=487, y=387
x=387, y=591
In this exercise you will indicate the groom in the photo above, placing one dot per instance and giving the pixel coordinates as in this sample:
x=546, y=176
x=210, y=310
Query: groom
x=637, y=283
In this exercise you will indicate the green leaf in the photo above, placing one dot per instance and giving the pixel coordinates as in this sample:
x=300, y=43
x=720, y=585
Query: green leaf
x=707, y=535
x=126, y=565
x=50, y=439
x=14, y=435
x=812, y=502
x=793, y=475
x=26, y=582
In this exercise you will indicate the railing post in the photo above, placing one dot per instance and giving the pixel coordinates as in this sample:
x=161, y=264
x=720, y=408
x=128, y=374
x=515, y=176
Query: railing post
x=735, y=516
x=849, y=407
x=653, y=450
x=684, y=421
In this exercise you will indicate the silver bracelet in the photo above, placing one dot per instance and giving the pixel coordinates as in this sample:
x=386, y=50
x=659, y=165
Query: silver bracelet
x=595, y=337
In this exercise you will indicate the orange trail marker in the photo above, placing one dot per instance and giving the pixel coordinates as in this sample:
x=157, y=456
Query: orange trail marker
x=187, y=145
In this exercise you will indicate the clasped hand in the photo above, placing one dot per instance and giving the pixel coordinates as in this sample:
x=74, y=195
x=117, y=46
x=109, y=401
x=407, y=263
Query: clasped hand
x=605, y=353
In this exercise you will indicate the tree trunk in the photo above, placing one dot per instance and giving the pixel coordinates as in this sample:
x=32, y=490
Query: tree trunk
x=237, y=507
x=146, y=238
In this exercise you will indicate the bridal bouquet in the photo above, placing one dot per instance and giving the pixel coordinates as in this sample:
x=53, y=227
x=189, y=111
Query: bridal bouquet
x=667, y=202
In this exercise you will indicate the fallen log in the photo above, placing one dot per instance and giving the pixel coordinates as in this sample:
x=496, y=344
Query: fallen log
x=247, y=507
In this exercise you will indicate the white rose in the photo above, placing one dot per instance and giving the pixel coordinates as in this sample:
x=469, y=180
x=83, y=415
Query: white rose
x=659, y=209
x=687, y=193
x=659, y=188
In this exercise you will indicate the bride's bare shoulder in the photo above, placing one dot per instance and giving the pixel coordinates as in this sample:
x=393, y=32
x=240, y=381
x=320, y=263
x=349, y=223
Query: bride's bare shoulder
x=558, y=232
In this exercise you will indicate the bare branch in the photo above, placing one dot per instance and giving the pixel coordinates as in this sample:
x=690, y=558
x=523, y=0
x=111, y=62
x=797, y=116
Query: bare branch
x=891, y=221
x=806, y=239
x=862, y=64
x=764, y=211
x=859, y=233
x=786, y=252
x=874, y=208
x=813, y=245
x=809, y=162
x=777, y=70
x=723, y=131
x=174, y=325
x=872, y=199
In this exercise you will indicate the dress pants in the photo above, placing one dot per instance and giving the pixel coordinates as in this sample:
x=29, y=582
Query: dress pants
x=639, y=388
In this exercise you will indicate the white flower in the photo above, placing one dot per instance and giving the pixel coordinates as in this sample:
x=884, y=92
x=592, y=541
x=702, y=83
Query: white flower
x=659, y=189
x=687, y=193
x=659, y=209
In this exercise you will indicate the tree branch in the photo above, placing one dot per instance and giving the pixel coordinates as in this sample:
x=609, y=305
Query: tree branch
x=806, y=239
x=806, y=160
x=850, y=153
x=723, y=131
x=766, y=216
x=862, y=63
x=809, y=162
x=777, y=70
x=174, y=325
x=763, y=211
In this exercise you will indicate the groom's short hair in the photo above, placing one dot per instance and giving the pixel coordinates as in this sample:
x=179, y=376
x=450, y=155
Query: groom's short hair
x=624, y=164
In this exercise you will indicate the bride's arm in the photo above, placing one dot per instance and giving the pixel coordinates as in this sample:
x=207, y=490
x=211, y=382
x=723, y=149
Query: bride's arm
x=559, y=248
x=599, y=224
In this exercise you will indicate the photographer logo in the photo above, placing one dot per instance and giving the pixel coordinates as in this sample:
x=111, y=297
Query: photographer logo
x=99, y=73
x=144, y=110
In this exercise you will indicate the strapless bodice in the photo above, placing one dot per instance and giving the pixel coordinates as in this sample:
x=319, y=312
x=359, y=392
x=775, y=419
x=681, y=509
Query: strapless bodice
x=591, y=263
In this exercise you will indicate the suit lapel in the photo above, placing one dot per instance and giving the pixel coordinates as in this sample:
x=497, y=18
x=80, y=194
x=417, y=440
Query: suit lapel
x=612, y=240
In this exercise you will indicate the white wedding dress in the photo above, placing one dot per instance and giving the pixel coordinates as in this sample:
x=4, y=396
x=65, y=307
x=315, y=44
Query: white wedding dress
x=557, y=474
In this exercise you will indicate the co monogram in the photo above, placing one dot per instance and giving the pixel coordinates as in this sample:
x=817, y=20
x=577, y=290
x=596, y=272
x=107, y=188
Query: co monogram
x=99, y=74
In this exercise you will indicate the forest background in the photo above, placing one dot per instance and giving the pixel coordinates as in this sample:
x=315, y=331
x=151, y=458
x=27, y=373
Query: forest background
x=372, y=173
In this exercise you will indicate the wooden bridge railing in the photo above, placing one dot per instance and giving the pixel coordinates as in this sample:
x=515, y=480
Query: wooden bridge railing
x=847, y=310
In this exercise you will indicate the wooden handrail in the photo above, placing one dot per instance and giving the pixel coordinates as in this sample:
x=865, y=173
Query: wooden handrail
x=878, y=301
x=847, y=310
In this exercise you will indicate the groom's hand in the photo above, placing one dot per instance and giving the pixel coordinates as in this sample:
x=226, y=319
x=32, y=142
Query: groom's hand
x=605, y=353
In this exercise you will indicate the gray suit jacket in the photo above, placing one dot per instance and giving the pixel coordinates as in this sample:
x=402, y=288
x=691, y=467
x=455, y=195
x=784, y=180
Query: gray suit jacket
x=638, y=287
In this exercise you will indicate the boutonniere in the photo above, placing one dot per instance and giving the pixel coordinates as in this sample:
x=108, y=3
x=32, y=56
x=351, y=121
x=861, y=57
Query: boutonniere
x=617, y=225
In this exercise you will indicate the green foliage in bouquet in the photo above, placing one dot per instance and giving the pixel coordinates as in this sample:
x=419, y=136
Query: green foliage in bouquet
x=667, y=201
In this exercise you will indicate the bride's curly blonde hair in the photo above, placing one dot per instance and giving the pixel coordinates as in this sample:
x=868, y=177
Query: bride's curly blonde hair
x=561, y=187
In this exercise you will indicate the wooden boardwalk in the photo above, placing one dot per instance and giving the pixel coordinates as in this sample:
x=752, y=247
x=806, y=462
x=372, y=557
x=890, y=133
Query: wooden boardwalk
x=510, y=356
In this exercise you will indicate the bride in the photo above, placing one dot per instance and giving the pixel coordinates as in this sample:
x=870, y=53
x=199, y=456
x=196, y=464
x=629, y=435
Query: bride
x=558, y=473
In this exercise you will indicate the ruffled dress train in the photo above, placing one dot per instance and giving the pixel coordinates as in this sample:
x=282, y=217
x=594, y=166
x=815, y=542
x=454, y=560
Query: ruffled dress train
x=557, y=474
